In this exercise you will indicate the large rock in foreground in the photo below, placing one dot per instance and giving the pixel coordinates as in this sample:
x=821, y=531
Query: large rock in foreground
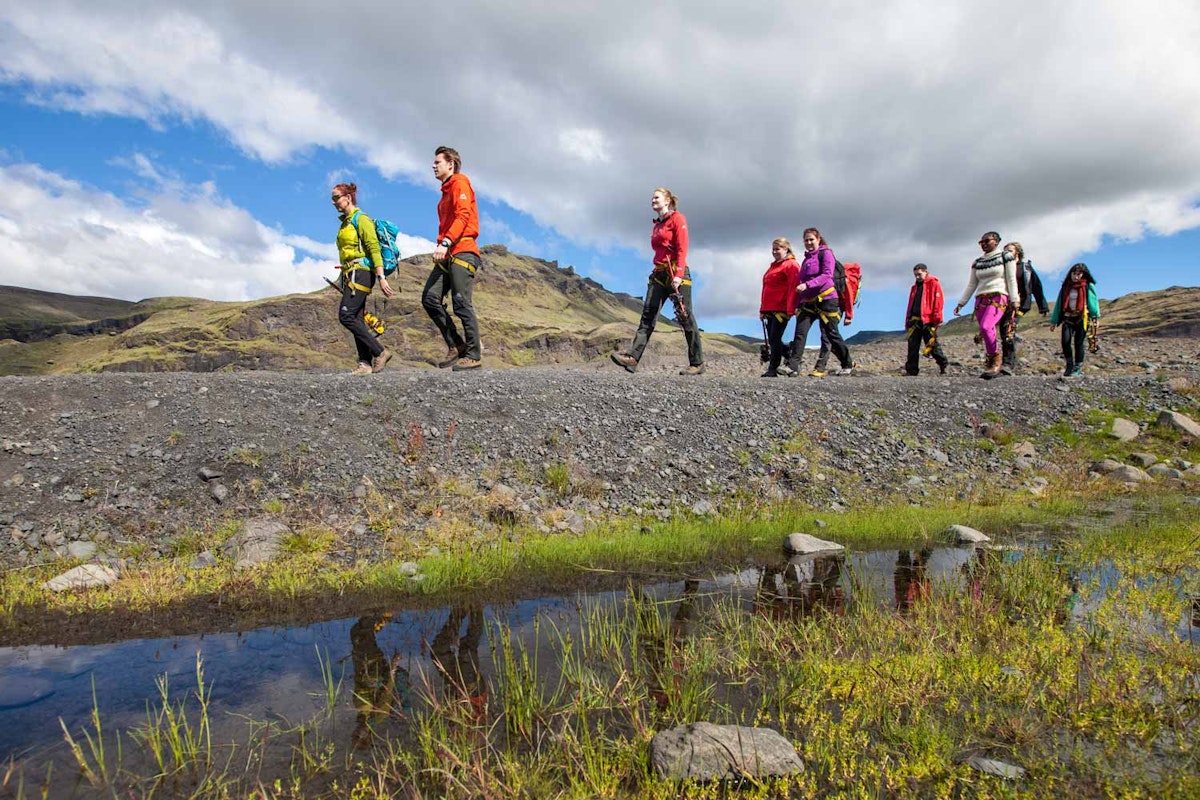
x=707, y=752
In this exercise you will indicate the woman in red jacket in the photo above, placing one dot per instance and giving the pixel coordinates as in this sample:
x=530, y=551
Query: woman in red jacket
x=671, y=279
x=778, y=300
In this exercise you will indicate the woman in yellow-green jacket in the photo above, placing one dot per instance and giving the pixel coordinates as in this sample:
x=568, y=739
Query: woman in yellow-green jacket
x=358, y=250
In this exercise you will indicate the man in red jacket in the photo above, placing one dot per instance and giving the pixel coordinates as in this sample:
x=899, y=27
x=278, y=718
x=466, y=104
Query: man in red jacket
x=925, y=305
x=455, y=260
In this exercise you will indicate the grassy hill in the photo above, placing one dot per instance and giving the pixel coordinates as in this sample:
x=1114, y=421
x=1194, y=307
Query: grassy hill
x=531, y=311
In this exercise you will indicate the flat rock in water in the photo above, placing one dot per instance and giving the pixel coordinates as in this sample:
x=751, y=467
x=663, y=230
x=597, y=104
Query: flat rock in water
x=87, y=576
x=964, y=535
x=256, y=542
x=806, y=544
x=1179, y=422
x=1124, y=430
x=706, y=752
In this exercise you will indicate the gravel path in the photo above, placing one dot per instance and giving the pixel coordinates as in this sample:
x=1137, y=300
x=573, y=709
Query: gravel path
x=393, y=464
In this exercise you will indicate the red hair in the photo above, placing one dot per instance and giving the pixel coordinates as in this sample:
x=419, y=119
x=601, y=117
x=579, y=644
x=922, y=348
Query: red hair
x=350, y=189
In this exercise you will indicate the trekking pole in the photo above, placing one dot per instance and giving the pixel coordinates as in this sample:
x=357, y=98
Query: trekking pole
x=764, y=352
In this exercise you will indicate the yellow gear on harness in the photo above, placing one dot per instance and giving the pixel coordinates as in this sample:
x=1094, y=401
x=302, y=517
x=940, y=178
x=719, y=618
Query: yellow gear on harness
x=664, y=274
x=348, y=271
x=812, y=308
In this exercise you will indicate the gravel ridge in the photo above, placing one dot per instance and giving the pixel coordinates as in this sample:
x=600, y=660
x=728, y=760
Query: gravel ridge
x=387, y=462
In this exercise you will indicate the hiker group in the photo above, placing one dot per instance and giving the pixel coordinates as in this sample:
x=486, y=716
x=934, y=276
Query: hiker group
x=367, y=254
x=816, y=288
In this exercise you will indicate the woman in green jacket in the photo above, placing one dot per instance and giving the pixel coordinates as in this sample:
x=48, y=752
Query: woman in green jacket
x=362, y=267
x=1077, y=306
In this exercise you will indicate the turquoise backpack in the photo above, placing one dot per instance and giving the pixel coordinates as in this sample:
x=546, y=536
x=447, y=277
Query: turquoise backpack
x=386, y=233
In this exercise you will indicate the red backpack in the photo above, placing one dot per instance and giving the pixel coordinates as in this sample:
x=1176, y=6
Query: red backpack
x=846, y=278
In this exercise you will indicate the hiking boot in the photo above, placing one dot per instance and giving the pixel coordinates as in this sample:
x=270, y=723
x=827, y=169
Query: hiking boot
x=454, y=354
x=942, y=368
x=1077, y=371
x=817, y=373
x=363, y=368
x=1007, y=369
x=905, y=373
x=467, y=363
x=624, y=360
x=771, y=373
x=380, y=361
x=786, y=371
x=698, y=369
x=993, y=367
x=846, y=370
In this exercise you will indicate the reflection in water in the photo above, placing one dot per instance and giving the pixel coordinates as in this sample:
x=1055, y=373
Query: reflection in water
x=457, y=659
x=911, y=579
x=664, y=649
x=802, y=587
x=375, y=690
x=270, y=674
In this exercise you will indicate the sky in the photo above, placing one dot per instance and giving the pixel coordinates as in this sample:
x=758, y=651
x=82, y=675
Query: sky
x=188, y=147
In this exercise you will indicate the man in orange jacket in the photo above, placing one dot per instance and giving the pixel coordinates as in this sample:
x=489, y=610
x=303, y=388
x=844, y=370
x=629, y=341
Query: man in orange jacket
x=925, y=307
x=455, y=260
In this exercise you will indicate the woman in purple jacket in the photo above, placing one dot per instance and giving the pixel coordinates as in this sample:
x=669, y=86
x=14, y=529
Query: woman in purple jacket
x=817, y=301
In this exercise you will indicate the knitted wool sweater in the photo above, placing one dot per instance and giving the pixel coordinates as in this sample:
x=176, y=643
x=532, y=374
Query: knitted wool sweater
x=992, y=273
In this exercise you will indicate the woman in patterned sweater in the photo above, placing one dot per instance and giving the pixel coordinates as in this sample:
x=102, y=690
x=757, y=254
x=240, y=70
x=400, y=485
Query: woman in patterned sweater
x=993, y=281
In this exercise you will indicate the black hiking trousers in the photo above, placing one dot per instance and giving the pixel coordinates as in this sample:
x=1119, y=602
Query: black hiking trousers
x=351, y=310
x=1074, y=339
x=775, y=346
x=656, y=296
x=457, y=281
x=1006, y=332
x=827, y=314
x=919, y=335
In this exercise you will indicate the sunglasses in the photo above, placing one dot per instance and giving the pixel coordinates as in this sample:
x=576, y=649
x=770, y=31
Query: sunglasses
x=337, y=197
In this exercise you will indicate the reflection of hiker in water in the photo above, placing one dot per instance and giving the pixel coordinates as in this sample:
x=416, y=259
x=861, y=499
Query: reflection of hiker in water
x=664, y=649
x=977, y=571
x=819, y=588
x=911, y=579
x=374, y=679
x=771, y=600
x=457, y=659
x=808, y=585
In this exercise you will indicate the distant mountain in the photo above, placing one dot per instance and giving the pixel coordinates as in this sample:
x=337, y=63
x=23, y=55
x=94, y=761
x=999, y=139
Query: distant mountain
x=1174, y=311
x=531, y=312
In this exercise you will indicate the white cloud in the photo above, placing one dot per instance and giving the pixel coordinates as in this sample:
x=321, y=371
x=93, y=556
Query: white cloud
x=59, y=235
x=901, y=128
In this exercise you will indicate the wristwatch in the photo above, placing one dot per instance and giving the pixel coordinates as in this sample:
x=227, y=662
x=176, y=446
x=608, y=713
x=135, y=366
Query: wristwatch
x=446, y=242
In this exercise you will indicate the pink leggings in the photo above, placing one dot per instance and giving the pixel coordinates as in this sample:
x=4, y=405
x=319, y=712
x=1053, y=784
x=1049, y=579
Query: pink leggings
x=988, y=311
